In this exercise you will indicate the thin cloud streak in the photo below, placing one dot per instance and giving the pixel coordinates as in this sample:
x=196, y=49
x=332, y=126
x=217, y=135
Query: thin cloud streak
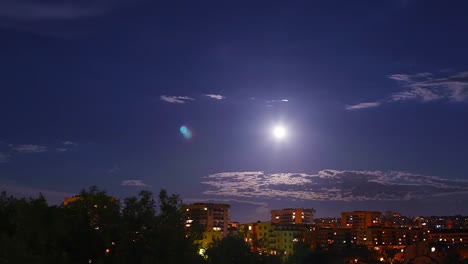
x=176, y=99
x=28, y=148
x=278, y=101
x=70, y=143
x=114, y=169
x=138, y=183
x=332, y=185
x=55, y=10
x=410, y=77
x=362, y=105
x=59, y=18
x=215, y=96
x=51, y=10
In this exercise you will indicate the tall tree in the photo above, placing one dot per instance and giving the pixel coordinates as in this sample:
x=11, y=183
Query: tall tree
x=230, y=250
x=177, y=244
x=91, y=224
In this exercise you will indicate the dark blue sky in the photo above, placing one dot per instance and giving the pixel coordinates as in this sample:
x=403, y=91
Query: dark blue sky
x=373, y=95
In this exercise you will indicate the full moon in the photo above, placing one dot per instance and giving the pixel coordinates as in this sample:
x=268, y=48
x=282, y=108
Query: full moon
x=279, y=132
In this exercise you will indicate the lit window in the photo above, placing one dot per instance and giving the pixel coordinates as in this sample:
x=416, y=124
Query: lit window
x=201, y=252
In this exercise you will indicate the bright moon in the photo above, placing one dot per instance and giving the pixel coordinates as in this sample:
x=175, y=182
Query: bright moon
x=279, y=132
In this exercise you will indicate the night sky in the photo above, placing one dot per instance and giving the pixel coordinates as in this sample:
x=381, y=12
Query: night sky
x=372, y=95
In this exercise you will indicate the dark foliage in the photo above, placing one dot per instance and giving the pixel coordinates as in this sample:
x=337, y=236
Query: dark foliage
x=95, y=229
x=230, y=250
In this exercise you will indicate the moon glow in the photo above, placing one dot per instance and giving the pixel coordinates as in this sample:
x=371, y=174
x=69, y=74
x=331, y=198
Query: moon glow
x=279, y=132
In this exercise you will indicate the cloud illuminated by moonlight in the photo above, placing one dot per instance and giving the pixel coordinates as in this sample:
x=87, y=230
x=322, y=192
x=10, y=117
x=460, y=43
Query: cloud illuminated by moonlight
x=332, y=185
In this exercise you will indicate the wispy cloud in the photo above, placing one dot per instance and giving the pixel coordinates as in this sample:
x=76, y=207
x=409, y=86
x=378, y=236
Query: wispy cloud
x=28, y=148
x=422, y=94
x=332, y=185
x=114, y=169
x=4, y=157
x=425, y=87
x=454, y=87
x=176, y=99
x=27, y=10
x=139, y=183
x=57, y=17
x=69, y=143
x=278, y=101
x=410, y=77
x=363, y=105
x=216, y=96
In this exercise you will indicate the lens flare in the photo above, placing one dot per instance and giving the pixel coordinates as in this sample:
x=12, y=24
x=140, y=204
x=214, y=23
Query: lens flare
x=185, y=131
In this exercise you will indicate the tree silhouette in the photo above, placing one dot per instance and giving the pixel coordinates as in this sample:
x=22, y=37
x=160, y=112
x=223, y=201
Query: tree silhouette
x=95, y=228
x=230, y=250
